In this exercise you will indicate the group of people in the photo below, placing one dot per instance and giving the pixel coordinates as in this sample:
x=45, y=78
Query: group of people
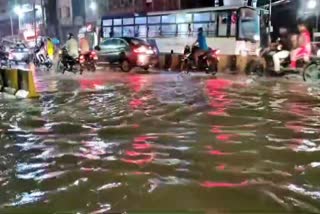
x=296, y=46
x=47, y=46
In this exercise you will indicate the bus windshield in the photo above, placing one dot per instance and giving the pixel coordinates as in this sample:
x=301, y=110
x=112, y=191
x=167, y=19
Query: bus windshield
x=249, y=25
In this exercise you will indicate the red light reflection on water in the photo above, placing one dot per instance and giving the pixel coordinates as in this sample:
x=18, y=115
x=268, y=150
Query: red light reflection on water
x=141, y=153
x=212, y=151
x=221, y=167
x=142, y=139
x=142, y=161
x=136, y=103
x=136, y=82
x=86, y=84
x=210, y=184
x=220, y=101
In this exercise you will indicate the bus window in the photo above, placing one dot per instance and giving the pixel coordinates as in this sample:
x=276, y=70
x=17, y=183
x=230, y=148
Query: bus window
x=154, y=31
x=106, y=32
x=169, y=19
x=140, y=31
x=128, y=31
x=168, y=30
x=249, y=26
x=212, y=29
x=117, y=22
x=184, y=18
x=223, y=23
x=183, y=30
x=205, y=27
x=141, y=20
x=154, y=20
x=107, y=22
x=117, y=31
x=201, y=17
x=128, y=21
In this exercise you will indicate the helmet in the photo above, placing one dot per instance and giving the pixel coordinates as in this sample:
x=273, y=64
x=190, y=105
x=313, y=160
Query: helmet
x=70, y=35
x=200, y=29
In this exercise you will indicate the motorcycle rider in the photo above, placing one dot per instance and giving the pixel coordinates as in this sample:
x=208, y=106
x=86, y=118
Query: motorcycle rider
x=284, y=47
x=203, y=46
x=41, y=50
x=304, y=45
x=72, y=46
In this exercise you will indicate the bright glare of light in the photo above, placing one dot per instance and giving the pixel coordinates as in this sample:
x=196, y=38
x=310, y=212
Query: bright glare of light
x=18, y=10
x=312, y=4
x=256, y=37
x=93, y=6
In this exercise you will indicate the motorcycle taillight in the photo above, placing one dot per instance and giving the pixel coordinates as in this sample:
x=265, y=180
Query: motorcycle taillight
x=81, y=59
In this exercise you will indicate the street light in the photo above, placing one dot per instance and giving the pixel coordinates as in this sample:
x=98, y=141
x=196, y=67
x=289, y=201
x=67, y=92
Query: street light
x=93, y=6
x=312, y=4
x=18, y=11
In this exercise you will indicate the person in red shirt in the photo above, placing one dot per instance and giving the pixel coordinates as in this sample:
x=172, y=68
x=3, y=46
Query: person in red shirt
x=304, y=45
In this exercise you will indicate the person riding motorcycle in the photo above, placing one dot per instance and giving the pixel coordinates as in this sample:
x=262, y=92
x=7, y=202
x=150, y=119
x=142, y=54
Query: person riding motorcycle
x=304, y=45
x=203, y=46
x=41, y=51
x=72, y=46
x=84, y=45
x=283, y=49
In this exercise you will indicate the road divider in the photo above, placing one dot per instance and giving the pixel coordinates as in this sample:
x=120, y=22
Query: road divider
x=18, y=82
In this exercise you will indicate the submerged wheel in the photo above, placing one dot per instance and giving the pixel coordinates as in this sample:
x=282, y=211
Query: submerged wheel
x=212, y=66
x=311, y=73
x=125, y=66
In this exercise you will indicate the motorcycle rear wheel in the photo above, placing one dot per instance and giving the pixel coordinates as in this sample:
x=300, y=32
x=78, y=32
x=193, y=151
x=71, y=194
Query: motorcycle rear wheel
x=212, y=66
x=311, y=73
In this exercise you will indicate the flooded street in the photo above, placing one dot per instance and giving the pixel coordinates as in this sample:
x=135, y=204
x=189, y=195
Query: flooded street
x=161, y=142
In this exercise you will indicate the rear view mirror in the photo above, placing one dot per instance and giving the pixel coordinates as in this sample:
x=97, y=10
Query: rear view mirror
x=97, y=48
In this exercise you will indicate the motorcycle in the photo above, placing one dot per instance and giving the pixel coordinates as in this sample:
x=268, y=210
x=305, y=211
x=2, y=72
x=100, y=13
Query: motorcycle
x=208, y=62
x=4, y=58
x=68, y=63
x=257, y=67
x=90, y=61
x=311, y=72
x=41, y=59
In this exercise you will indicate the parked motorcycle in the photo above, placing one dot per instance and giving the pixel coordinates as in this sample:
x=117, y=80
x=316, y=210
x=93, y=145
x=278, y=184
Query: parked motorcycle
x=208, y=62
x=68, y=63
x=4, y=58
x=41, y=59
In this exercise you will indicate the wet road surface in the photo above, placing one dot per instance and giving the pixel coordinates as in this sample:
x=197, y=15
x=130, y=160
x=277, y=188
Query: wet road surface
x=161, y=142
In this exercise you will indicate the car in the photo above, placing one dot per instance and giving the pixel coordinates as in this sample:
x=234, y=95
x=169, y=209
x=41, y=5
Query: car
x=19, y=52
x=127, y=52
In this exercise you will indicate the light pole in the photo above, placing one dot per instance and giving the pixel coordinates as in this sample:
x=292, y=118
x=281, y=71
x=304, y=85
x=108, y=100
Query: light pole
x=313, y=6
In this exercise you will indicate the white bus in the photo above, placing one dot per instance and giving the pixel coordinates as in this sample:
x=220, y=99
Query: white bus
x=233, y=30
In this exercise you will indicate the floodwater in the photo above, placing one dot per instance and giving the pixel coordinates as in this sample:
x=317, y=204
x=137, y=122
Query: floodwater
x=161, y=142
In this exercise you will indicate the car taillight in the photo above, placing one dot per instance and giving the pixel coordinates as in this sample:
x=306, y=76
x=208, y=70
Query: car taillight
x=143, y=50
